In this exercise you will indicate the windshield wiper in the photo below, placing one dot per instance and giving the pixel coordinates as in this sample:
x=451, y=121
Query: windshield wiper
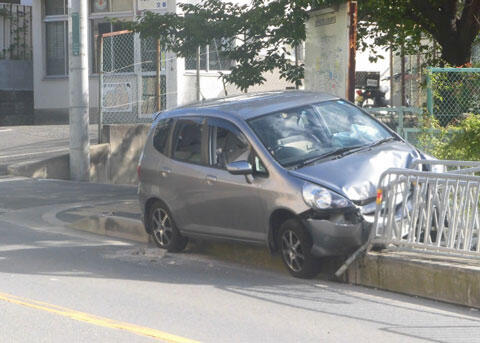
x=381, y=141
x=338, y=152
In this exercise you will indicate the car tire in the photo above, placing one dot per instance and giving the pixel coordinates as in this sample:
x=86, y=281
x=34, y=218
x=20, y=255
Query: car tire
x=295, y=245
x=163, y=229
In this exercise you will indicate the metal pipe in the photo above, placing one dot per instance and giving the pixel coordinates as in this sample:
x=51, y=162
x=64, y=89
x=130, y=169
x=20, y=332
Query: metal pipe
x=352, y=38
x=100, y=89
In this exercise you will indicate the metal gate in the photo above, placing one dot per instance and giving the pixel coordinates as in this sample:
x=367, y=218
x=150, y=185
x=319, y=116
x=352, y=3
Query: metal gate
x=430, y=211
x=132, y=83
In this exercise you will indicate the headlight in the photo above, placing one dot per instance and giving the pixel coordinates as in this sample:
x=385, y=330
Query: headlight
x=321, y=198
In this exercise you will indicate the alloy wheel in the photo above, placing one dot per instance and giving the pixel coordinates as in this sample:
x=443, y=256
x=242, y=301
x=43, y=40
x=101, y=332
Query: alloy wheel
x=162, y=227
x=292, y=251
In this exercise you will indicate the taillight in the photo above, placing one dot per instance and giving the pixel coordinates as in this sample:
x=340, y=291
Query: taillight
x=379, y=196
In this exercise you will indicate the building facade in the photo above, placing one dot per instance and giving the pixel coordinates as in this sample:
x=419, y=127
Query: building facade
x=50, y=59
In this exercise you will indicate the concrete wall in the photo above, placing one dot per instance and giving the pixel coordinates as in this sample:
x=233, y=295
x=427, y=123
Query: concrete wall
x=327, y=51
x=112, y=162
x=16, y=75
x=126, y=145
x=59, y=167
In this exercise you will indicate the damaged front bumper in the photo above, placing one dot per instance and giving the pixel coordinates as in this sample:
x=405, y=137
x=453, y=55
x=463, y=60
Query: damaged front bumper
x=337, y=233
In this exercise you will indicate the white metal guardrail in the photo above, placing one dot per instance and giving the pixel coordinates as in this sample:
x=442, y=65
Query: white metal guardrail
x=435, y=212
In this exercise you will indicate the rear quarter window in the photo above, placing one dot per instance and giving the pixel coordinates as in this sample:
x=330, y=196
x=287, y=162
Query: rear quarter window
x=161, y=135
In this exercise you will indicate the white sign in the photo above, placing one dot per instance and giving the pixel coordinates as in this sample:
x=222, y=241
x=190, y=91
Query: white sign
x=327, y=51
x=117, y=97
x=152, y=5
x=372, y=83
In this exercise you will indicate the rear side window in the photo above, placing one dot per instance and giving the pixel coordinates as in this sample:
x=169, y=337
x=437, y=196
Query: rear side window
x=187, y=140
x=160, y=137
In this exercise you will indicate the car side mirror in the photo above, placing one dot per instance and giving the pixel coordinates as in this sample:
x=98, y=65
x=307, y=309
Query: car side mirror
x=240, y=168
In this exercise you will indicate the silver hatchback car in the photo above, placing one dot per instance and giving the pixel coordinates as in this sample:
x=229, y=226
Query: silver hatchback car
x=295, y=171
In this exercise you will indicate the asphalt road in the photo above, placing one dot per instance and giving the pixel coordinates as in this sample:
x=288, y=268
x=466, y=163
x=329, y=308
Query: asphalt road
x=28, y=143
x=59, y=285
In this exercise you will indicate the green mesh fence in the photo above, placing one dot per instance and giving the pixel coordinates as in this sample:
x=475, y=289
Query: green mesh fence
x=452, y=93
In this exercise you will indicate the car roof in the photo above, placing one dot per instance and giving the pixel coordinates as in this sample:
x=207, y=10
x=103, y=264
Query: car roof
x=252, y=105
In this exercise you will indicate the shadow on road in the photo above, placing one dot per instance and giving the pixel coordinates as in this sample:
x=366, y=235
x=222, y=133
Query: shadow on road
x=25, y=251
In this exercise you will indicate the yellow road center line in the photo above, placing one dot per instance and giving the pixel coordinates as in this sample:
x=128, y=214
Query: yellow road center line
x=95, y=320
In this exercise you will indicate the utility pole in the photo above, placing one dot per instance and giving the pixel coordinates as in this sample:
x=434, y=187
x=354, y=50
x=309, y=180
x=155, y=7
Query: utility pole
x=78, y=90
x=352, y=42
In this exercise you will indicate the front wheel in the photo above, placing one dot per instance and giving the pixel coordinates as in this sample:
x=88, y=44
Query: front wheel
x=295, y=245
x=163, y=229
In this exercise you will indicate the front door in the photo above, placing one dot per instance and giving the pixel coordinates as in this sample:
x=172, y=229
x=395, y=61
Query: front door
x=230, y=205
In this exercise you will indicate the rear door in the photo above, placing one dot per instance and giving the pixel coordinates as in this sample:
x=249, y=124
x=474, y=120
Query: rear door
x=186, y=170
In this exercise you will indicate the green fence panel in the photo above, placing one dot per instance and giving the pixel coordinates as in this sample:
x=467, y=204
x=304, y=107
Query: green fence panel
x=453, y=93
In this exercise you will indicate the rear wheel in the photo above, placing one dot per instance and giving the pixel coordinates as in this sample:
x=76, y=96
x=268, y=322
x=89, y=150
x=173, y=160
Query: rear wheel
x=163, y=229
x=295, y=245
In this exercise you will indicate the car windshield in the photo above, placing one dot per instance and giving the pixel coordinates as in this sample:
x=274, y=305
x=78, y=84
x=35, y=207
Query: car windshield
x=308, y=133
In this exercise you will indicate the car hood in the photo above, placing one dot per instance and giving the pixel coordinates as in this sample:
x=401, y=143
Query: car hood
x=356, y=175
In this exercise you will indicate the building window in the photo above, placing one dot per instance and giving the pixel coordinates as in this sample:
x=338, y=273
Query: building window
x=56, y=37
x=120, y=53
x=56, y=7
x=211, y=58
x=100, y=6
x=117, y=50
x=57, y=42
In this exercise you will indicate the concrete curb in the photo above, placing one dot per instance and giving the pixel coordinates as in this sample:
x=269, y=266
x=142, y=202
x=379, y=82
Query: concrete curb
x=449, y=280
x=112, y=226
x=132, y=229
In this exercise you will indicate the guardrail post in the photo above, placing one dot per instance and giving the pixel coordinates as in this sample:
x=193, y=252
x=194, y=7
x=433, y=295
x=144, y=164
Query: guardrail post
x=429, y=91
x=400, y=122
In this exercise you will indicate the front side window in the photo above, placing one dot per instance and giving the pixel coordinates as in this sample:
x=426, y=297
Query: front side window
x=227, y=144
x=298, y=135
x=187, y=140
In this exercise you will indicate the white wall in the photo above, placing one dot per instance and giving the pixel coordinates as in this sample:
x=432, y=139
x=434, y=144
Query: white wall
x=327, y=51
x=212, y=87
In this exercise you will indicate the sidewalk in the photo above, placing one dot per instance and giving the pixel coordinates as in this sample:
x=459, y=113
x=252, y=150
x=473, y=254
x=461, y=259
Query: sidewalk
x=454, y=280
x=20, y=144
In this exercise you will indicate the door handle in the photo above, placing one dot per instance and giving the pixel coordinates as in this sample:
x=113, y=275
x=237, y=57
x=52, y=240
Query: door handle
x=165, y=171
x=211, y=179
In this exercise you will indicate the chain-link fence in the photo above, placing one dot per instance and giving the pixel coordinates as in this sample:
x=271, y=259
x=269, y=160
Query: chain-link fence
x=132, y=78
x=452, y=93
